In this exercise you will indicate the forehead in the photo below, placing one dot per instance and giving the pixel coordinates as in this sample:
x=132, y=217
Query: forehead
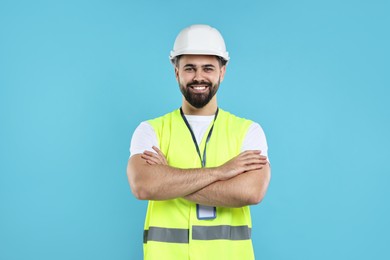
x=198, y=60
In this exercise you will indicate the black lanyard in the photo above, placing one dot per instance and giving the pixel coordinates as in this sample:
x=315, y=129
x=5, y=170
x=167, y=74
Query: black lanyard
x=203, y=161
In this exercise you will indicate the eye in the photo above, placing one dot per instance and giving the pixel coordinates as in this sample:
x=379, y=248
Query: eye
x=208, y=69
x=189, y=69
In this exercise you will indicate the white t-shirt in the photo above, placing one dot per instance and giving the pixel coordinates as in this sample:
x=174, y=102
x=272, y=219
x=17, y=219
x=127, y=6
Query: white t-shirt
x=144, y=136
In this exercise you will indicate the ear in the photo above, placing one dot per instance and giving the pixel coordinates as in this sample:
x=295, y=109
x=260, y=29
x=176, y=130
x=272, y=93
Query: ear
x=223, y=70
x=177, y=73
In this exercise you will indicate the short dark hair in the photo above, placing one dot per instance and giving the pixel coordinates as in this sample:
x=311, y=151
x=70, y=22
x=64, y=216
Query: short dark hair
x=221, y=61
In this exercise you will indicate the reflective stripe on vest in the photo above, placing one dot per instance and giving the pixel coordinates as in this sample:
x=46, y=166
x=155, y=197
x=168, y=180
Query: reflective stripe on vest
x=221, y=232
x=178, y=235
x=169, y=235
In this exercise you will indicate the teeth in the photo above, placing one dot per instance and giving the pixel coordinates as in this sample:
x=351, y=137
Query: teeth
x=199, y=88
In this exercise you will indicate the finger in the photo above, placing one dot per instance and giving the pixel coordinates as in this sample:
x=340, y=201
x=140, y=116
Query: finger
x=249, y=153
x=260, y=162
x=147, y=159
x=151, y=158
x=251, y=157
x=259, y=157
x=145, y=156
x=149, y=153
x=151, y=162
x=164, y=160
x=253, y=151
x=252, y=167
x=152, y=154
x=161, y=155
x=254, y=159
x=157, y=150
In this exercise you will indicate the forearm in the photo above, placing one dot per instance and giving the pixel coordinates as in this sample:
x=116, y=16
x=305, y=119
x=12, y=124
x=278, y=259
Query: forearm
x=151, y=178
x=245, y=189
x=162, y=182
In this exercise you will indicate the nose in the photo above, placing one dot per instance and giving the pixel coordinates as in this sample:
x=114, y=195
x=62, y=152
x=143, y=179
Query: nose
x=198, y=75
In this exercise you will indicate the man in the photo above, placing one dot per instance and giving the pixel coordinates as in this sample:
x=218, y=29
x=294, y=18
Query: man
x=199, y=166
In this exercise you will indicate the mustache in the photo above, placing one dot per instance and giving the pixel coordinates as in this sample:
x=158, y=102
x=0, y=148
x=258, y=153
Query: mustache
x=196, y=82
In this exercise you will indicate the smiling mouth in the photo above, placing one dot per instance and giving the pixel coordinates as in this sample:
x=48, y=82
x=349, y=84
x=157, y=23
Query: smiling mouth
x=198, y=88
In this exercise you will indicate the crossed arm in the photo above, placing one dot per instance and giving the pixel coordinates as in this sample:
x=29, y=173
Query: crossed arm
x=241, y=181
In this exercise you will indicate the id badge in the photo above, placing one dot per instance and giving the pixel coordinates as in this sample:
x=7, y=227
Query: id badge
x=205, y=212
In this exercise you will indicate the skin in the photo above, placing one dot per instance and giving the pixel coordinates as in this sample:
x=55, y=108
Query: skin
x=239, y=182
x=199, y=67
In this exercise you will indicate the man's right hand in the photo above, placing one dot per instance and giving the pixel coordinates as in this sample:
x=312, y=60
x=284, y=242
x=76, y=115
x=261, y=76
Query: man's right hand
x=246, y=161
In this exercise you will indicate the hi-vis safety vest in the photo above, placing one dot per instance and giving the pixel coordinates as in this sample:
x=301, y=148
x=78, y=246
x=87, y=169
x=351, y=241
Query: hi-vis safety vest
x=172, y=229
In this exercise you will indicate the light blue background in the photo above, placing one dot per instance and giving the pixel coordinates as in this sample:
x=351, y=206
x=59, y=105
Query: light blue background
x=77, y=77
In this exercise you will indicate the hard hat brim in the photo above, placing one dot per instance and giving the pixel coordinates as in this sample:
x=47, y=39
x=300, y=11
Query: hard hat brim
x=223, y=55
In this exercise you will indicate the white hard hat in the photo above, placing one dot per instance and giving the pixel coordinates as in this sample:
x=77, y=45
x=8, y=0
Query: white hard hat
x=199, y=39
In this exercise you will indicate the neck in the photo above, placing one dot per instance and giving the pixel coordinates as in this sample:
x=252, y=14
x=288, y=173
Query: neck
x=207, y=110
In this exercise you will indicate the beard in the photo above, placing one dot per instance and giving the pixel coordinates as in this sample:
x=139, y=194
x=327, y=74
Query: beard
x=199, y=100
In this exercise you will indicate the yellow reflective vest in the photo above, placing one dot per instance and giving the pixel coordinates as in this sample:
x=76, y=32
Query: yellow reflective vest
x=172, y=229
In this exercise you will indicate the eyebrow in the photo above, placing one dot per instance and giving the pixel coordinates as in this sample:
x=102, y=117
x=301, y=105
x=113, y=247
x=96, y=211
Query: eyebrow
x=203, y=66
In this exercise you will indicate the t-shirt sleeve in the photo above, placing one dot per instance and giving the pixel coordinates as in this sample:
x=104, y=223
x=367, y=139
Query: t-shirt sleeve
x=144, y=138
x=255, y=140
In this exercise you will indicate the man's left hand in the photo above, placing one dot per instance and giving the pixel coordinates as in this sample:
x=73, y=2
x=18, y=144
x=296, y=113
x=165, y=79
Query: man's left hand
x=154, y=158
